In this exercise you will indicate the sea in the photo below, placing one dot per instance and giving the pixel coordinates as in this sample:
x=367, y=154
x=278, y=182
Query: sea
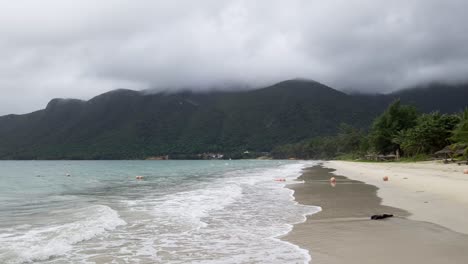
x=218, y=211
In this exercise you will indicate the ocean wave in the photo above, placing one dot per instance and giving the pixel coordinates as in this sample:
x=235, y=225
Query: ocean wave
x=228, y=215
x=43, y=243
x=191, y=206
x=237, y=218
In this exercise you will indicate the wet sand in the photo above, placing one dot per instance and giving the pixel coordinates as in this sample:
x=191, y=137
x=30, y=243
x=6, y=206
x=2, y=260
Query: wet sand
x=344, y=233
x=431, y=190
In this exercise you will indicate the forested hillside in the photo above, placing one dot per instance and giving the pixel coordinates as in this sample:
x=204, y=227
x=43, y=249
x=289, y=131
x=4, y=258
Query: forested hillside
x=125, y=124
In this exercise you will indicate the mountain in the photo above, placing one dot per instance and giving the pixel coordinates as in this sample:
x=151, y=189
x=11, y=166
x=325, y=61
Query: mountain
x=435, y=96
x=125, y=124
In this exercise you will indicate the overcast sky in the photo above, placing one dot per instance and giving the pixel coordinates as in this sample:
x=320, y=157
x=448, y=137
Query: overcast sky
x=61, y=48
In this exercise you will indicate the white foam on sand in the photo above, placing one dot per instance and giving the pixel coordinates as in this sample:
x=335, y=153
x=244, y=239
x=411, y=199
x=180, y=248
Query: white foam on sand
x=190, y=207
x=237, y=219
x=42, y=243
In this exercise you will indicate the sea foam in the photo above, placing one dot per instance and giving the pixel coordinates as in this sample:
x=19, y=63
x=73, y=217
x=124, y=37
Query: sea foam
x=42, y=243
x=183, y=212
x=235, y=219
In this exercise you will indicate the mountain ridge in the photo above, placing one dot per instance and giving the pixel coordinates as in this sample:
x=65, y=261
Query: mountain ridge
x=127, y=124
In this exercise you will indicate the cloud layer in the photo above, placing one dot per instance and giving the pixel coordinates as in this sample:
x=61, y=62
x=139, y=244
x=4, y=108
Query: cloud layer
x=61, y=48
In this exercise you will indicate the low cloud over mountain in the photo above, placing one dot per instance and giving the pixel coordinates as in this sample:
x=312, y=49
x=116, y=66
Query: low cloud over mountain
x=55, y=48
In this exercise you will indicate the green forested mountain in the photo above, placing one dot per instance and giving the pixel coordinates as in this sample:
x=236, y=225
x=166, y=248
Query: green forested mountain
x=442, y=97
x=125, y=124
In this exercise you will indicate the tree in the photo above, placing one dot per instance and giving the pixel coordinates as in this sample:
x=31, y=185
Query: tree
x=388, y=126
x=460, y=133
x=350, y=140
x=431, y=133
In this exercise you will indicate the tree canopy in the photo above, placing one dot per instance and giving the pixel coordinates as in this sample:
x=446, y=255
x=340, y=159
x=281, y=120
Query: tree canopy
x=399, y=127
x=431, y=133
x=460, y=134
x=389, y=125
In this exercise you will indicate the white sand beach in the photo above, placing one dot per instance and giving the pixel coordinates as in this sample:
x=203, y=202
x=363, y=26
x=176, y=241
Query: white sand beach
x=428, y=201
x=431, y=191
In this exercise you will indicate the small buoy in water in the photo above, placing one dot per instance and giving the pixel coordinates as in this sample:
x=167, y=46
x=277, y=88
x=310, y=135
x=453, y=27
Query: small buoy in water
x=465, y=171
x=385, y=178
x=68, y=174
x=332, y=180
x=139, y=177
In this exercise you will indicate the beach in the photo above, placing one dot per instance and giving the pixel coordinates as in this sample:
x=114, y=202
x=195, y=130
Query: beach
x=427, y=200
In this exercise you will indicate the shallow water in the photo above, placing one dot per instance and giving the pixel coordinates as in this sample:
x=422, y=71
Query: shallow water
x=182, y=212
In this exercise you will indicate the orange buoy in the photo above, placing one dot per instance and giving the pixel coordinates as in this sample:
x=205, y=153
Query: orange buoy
x=385, y=178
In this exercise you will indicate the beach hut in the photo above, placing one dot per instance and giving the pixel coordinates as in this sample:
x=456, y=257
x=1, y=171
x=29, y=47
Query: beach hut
x=459, y=152
x=446, y=153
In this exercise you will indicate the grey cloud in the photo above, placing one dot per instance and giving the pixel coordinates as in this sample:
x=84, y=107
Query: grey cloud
x=55, y=48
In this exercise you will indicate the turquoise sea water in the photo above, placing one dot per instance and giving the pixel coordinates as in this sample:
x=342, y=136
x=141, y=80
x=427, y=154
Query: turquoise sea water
x=181, y=212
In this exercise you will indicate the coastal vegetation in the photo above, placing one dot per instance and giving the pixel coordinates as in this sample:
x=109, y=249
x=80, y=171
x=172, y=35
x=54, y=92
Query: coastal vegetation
x=460, y=133
x=400, y=131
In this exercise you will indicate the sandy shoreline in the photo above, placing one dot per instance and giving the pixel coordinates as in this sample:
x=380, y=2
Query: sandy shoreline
x=430, y=191
x=343, y=232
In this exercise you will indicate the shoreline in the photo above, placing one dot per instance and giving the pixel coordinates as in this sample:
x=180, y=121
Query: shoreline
x=343, y=232
x=431, y=191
